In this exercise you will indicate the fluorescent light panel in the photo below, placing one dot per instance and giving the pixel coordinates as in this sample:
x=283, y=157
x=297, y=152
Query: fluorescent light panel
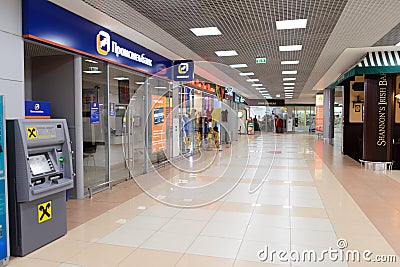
x=290, y=62
x=257, y=84
x=289, y=79
x=91, y=61
x=291, y=24
x=288, y=83
x=228, y=53
x=288, y=87
x=139, y=83
x=246, y=74
x=236, y=66
x=289, y=72
x=207, y=31
x=252, y=80
x=285, y=48
x=121, y=78
x=260, y=88
x=160, y=87
x=278, y=95
x=92, y=71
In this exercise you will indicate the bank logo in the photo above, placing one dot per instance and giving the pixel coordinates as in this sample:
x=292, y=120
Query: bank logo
x=103, y=43
x=37, y=106
x=183, y=68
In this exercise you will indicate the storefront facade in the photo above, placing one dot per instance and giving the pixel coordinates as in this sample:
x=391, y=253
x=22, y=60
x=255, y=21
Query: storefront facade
x=91, y=75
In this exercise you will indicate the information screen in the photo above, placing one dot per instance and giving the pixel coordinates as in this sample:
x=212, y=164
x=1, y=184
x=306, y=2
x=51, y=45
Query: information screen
x=39, y=164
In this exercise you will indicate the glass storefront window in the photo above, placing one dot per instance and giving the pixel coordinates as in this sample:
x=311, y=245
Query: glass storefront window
x=95, y=122
x=159, y=120
x=124, y=87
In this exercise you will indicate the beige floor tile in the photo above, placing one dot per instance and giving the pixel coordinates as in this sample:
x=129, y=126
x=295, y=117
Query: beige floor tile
x=59, y=250
x=30, y=262
x=236, y=206
x=151, y=258
x=99, y=255
x=308, y=212
x=272, y=209
x=189, y=260
x=95, y=228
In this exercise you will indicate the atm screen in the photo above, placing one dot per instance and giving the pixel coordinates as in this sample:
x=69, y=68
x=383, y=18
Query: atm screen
x=39, y=164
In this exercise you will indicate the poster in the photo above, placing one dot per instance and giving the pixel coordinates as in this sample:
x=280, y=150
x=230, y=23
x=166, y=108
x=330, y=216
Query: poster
x=158, y=108
x=94, y=113
x=319, y=116
x=89, y=95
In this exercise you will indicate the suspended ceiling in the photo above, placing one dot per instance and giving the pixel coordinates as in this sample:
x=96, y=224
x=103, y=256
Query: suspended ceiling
x=248, y=26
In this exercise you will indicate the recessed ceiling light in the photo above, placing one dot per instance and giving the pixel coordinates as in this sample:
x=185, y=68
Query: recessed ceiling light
x=288, y=83
x=292, y=62
x=256, y=84
x=246, y=73
x=289, y=79
x=284, y=48
x=91, y=61
x=121, y=78
x=289, y=72
x=291, y=24
x=288, y=87
x=228, y=53
x=207, y=31
x=236, y=66
x=252, y=80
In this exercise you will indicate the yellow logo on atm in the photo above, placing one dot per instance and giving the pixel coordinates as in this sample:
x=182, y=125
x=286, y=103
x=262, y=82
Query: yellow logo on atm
x=44, y=212
x=31, y=132
x=103, y=43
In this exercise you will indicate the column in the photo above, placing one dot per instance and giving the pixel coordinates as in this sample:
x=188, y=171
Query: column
x=329, y=120
x=12, y=59
x=378, y=117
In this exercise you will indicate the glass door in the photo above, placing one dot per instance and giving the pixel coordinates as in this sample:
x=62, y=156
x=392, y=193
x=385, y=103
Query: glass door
x=95, y=123
x=126, y=88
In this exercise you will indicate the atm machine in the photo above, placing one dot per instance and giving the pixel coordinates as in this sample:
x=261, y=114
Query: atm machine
x=39, y=162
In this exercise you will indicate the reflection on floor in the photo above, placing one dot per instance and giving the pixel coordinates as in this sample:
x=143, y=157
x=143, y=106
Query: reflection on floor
x=281, y=192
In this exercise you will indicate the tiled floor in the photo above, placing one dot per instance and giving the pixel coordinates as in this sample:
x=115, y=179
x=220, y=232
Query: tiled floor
x=268, y=192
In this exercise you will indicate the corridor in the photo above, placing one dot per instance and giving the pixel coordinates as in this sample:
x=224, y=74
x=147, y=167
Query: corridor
x=269, y=192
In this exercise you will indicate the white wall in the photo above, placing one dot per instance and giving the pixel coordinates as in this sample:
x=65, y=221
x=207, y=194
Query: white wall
x=12, y=58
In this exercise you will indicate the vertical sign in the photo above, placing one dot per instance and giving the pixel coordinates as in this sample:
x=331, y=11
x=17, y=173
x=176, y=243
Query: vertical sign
x=319, y=116
x=379, y=117
x=3, y=197
x=94, y=113
x=158, y=123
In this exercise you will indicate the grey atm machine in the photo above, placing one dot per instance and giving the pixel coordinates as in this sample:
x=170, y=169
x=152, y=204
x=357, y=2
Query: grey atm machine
x=39, y=173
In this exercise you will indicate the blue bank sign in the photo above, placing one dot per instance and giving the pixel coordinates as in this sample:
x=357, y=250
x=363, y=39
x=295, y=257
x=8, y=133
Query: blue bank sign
x=37, y=110
x=183, y=70
x=48, y=23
